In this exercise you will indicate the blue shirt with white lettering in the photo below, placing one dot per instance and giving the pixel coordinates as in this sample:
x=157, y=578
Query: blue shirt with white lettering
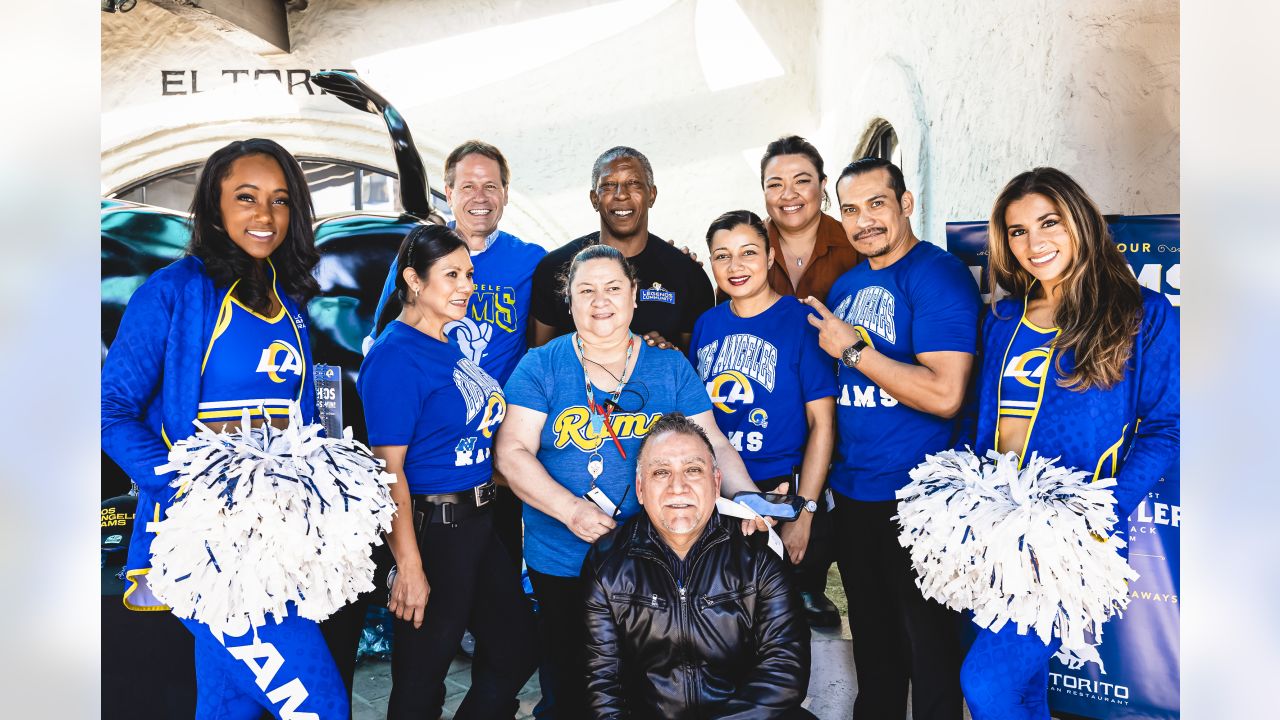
x=550, y=380
x=421, y=392
x=759, y=373
x=927, y=301
x=493, y=332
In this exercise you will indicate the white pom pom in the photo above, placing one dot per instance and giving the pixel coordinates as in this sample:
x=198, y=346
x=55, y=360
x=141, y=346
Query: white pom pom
x=268, y=516
x=1030, y=546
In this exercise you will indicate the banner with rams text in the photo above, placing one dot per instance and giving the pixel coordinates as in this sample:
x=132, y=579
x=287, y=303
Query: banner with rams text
x=1141, y=649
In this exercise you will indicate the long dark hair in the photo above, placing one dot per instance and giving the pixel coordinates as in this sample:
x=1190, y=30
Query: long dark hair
x=420, y=249
x=1101, y=302
x=224, y=261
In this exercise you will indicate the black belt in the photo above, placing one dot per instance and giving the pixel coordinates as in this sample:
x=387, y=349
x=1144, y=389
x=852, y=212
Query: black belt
x=451, y=508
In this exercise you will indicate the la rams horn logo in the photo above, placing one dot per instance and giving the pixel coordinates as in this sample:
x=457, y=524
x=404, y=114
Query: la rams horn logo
x=495, y=409
x=274, y=365
x=759, y=418
x=1029, y=367
x=728, y=388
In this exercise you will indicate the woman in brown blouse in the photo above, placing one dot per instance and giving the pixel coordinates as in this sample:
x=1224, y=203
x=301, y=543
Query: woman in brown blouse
x=811, y=247
x=810, y=250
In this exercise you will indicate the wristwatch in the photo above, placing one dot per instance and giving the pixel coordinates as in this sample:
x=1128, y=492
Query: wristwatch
x=810, y=505
x=853, y=353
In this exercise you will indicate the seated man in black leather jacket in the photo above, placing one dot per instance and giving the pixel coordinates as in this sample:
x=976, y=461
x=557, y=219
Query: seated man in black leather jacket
x=686, y=616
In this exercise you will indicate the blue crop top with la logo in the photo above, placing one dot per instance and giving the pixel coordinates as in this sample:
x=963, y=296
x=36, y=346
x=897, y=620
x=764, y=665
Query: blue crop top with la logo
x=252, y=362
x=1025, y=367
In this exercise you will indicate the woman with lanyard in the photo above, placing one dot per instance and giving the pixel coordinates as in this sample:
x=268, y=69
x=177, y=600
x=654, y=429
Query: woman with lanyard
x=771, y=386
x=1080, y=363
x=579, y=407
x=215, y=334
x=432, y=414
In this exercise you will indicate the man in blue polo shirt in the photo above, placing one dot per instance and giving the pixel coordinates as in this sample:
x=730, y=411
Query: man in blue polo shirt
x=494, y=332
x=904, y=329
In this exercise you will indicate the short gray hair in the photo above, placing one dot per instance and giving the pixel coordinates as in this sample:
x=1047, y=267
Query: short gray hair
x=617, y=153
x=679, y=424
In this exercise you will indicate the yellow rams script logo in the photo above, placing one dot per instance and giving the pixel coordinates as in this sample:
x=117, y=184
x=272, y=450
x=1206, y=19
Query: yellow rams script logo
x=280, y=357
x=1029, y=367
x=728, y=388
x=573, y=425
x=495, y=409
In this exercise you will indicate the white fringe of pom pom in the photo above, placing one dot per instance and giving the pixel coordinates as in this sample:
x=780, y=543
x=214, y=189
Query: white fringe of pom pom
x=264, y=517
x=1030, y=546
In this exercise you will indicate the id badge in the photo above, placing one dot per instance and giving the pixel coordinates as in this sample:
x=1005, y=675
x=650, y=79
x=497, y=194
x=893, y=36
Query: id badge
x=328, y=381
x=602, y=501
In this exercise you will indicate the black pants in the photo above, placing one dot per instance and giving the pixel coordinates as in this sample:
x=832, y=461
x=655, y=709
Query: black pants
x=562, y=635
x=342, y=629
x=811, y=574
x=473, y=585
x=898, y=636
x=507, y=522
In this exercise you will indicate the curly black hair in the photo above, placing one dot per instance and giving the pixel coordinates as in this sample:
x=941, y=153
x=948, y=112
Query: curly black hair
x=296, y=257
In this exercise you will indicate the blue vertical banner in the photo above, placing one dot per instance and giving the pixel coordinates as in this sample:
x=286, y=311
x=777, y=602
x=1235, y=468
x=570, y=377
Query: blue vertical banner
x=1141, y=649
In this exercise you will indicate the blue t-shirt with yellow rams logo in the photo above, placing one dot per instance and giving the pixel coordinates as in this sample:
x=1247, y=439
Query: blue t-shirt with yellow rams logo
x=421, y=392
x=549, y=380
x=252, y=363
x=925, y=302
x=759, y=373
x=493, y=332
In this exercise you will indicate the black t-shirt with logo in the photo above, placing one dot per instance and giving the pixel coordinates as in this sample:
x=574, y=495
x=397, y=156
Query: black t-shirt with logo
x=672, y=290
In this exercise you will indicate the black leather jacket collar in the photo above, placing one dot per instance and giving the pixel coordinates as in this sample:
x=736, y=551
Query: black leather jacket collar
x=726, y=640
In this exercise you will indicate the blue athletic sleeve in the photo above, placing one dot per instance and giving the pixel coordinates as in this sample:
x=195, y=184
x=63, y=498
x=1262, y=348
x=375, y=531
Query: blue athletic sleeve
x=390, y=388
x=945, y=308
x=1157, y=436
x=527, y=386
x=131, y=377
x=695, y=340
x=388, y=287
x=690, y=392
x=817, y=368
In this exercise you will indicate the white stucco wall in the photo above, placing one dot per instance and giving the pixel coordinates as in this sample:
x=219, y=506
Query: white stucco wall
x=979, y=92
x=976, y=92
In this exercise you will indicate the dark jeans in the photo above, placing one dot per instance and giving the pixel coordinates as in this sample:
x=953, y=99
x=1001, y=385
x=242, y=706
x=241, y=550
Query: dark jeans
x=563, y=638
x=475, y=586
x=342, y=629
x=898, y=636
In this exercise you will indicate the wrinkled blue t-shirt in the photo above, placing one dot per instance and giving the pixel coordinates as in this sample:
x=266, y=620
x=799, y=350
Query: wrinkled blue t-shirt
x=925, y=302
x=421, y=392
x=550, y=380
x=759, y=373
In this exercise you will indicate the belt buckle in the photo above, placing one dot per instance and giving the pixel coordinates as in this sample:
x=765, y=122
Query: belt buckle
x=484, y=493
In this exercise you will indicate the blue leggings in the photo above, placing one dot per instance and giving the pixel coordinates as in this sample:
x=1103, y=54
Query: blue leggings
x=1005, y=676
x=288, y=671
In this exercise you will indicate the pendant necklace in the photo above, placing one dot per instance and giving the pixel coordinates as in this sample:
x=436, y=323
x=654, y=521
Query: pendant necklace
x=599, y=413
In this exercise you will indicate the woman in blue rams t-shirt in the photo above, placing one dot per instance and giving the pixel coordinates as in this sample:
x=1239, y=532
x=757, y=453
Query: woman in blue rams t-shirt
x=432, y=414
x=772, y=388
x=579, y=408
x=1079, y=363
x=219, y=332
